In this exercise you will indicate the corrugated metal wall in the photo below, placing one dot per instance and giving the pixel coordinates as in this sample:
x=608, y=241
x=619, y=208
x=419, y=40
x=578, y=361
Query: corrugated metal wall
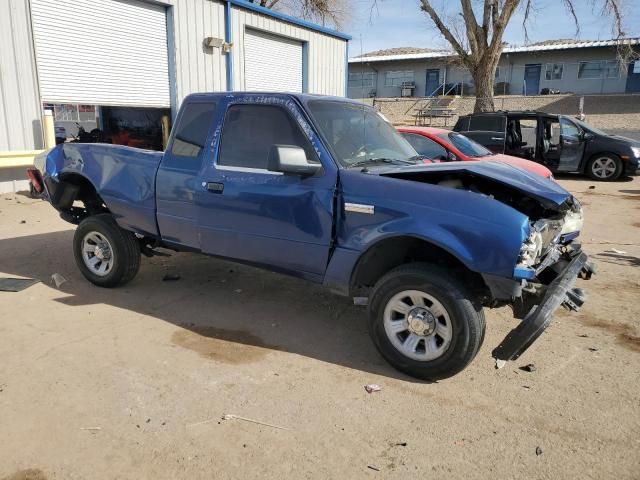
x=326, y=54
x=19, y=101
x=198, y=69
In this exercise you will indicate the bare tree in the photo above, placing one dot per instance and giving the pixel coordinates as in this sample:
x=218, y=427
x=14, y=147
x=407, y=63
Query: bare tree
x=478, y=41
x=333, y=12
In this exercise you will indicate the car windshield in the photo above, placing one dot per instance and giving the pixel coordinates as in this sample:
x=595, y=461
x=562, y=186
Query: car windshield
x=465, y=145
x=359, y=135
x=587, y=127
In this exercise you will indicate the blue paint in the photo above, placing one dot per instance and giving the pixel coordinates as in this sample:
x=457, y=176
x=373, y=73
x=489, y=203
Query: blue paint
x=228, y=37
x=288, y=19
x=523, y=273
x=171, y=47
x=346, y=70
x=290, y=224
x=305, y=67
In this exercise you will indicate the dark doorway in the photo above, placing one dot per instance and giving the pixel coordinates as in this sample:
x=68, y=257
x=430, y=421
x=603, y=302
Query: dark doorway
x=633, y=77
x=433, y=82
x=532, y=79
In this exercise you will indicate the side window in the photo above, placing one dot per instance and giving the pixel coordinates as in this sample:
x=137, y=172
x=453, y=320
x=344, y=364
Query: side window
x=425, y=146
x=487, y=123
x=250, y=131
x=192, y=129
x=568, y=128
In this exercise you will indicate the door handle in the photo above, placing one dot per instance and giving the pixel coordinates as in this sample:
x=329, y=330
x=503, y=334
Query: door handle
x=215, y=187
x=497, y=138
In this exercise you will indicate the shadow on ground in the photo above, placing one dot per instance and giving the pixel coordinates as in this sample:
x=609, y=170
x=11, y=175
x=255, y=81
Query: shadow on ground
x=213, y=299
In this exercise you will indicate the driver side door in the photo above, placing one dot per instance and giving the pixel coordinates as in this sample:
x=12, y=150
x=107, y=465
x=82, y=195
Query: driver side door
x=249, y=213
x=572, y=146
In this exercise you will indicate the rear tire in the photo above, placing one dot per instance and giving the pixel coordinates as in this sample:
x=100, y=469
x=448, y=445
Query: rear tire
x=106, y=255
x=425, y=322
x=604, y=167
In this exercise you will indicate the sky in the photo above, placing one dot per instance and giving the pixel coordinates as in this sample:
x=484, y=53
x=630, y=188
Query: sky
x=401, y=23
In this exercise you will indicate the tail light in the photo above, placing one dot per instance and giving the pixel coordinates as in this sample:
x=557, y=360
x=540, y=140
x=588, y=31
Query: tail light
x=35, y=178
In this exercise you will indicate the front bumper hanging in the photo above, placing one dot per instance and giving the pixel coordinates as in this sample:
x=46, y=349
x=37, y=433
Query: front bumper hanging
x=560, y=291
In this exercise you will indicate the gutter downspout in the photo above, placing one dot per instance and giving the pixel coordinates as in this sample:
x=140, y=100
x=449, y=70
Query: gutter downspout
x=227, y=38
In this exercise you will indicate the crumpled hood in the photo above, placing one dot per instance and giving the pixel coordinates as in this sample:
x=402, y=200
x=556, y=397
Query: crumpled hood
x=543, y=189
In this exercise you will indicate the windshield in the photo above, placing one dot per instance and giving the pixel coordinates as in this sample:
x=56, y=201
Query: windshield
x=358, y=134
x=588, y=127
x=465, y=145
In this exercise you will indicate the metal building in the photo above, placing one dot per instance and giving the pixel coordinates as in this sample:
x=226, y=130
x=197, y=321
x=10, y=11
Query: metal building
x=111, y=64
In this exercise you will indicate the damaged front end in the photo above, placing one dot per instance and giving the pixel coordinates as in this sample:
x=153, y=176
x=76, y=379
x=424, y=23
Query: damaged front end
x=550, y=260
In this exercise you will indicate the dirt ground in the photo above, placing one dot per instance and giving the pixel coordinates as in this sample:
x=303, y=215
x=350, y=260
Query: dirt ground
x=134, y=382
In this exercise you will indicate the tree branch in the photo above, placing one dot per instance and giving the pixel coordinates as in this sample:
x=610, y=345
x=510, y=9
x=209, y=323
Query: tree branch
x=471, y=24
x=425, y=5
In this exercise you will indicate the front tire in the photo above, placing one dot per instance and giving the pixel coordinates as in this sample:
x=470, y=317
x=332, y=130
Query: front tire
x=106, y=255
x=604, y=167
x=425, y=322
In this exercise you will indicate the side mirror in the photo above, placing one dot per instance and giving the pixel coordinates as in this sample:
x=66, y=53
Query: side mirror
x=291, y=160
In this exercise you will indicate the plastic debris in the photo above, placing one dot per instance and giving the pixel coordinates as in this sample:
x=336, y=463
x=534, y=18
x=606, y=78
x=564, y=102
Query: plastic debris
x=500, y=363
x=372, y=387
x=229, y=416
x=615, y=250
x=16, y=284
x=58, y=280
x=529, y=368
x=171, y=277
x=371, y=467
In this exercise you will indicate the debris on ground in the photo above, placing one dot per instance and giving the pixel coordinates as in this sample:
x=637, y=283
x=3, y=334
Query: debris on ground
x=583, y=335
x=171, y=277
x=58, y=279
x=375, y=469
x=592, y=187
x=526, y=387
x=372, y=387
x=500, y=363
x=528, y=368
x=401, y=444
x=229, y=416
x=23, y=221
x=91, y=429
x=615, y=250
x=593, y=349
x=8, y=284
x=538, y=451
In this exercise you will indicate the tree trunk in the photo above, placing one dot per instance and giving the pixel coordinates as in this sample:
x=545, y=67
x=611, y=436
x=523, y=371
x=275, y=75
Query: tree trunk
x=483, y=79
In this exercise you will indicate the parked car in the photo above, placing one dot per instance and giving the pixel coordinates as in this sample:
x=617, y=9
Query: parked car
x=447, y=146
x=562, y=143
x=323, y=188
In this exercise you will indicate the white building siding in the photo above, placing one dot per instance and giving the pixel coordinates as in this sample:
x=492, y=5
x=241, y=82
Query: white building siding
x=19, y=99
x=326, y=55
x=197, y=68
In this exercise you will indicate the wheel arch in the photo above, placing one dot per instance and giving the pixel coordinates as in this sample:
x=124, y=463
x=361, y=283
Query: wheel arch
x=73, y=186
x=392, y=251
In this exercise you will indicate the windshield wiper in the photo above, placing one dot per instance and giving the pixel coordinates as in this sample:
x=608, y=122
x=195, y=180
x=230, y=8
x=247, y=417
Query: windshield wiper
x=363, y=163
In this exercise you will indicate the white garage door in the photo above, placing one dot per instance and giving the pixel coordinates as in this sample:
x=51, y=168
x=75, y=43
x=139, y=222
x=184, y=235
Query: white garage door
x=272, y=63
x=101, y=52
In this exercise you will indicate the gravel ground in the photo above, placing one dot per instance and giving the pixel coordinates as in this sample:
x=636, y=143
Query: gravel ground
x=134, y=382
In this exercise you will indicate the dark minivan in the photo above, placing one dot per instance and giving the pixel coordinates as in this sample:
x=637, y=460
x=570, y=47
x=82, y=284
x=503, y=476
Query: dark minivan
x=562, y=143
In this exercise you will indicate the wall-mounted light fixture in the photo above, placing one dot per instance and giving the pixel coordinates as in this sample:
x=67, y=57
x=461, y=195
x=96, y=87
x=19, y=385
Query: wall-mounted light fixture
x=213, y=42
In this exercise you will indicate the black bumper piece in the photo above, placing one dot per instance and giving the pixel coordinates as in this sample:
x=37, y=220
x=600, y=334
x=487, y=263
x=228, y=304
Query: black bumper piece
x=560, y=291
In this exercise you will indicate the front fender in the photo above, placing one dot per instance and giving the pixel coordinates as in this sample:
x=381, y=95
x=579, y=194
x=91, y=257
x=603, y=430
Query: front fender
x=481, y=232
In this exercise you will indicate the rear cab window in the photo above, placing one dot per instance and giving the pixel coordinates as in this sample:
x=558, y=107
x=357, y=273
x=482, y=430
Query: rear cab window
x=192, y=129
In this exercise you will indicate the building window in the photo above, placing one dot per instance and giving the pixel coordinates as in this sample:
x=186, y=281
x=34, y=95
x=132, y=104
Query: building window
x=395, y=79
x=362, y=80
x=498, y=72
x=598, y=69
x=554, y=71
x=636, y=67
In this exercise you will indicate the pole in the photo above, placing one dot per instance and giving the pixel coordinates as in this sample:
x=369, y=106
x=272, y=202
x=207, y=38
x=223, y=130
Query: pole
x=48, y=129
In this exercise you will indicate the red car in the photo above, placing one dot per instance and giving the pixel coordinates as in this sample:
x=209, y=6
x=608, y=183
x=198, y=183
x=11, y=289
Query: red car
x=445, y=145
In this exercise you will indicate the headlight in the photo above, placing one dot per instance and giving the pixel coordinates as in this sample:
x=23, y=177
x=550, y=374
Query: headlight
x=531, y=249
x=573, y=220
x=636, y=151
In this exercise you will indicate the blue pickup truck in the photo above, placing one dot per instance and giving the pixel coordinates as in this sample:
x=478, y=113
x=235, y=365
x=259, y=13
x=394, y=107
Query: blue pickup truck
x=325, y=189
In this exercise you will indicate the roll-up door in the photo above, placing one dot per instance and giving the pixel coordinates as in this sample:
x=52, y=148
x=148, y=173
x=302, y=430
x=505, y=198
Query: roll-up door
x=101, y=52
x=272, y=63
